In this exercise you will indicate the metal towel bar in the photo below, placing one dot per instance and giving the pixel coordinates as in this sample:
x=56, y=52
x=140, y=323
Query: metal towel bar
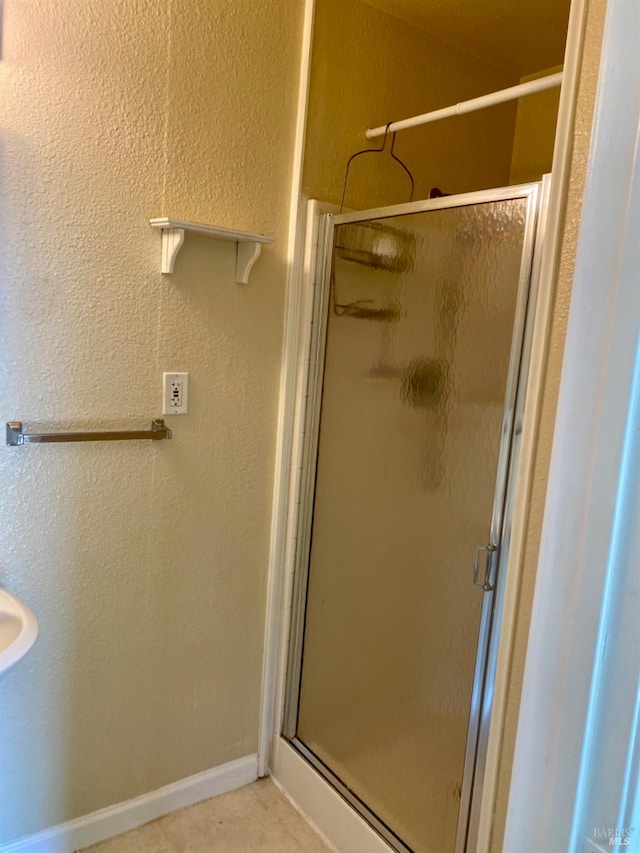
x=15, y=436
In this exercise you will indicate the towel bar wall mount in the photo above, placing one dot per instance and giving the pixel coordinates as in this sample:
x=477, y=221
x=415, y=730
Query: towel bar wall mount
x=16, y=437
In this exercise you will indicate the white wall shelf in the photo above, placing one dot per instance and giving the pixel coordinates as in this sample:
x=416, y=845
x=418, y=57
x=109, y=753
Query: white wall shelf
x=248, y=246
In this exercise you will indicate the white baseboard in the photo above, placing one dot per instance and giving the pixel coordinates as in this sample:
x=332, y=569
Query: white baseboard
x=103, y=824
x=323, y=807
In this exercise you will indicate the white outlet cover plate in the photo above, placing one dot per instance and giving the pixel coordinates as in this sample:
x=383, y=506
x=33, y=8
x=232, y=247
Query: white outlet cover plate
x=175, y=393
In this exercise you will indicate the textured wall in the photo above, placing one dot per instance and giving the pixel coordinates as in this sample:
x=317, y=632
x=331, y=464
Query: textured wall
x=518, y=37
x=370, y=67
x=535, y=132
x=145, y=564
x=582, y=136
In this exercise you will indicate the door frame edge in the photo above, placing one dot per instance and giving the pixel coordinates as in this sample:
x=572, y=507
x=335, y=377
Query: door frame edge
x=549, y=264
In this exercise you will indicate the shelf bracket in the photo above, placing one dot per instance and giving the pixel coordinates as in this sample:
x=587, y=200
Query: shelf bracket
x=246, y=256
x=172, y=240
x=248, y=245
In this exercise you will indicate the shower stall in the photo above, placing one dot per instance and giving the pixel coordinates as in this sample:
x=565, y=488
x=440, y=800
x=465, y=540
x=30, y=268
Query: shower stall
x=419, y=350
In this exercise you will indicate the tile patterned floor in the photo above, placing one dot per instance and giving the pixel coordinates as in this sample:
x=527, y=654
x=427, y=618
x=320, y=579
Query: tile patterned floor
x=253, y=819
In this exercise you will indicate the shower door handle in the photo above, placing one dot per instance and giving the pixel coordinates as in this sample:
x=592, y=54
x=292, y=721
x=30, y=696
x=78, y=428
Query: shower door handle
x=485, y=585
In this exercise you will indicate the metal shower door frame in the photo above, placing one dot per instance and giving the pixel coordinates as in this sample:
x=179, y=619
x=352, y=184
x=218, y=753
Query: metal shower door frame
x=488, y=635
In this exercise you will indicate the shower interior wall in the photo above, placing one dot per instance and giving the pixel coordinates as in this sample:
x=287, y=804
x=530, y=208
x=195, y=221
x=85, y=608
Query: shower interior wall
x=370, y=67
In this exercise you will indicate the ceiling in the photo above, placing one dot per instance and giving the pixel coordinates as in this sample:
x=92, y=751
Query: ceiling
x=519, y=37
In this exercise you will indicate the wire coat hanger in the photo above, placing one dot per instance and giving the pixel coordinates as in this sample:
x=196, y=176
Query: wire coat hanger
x=377, y=151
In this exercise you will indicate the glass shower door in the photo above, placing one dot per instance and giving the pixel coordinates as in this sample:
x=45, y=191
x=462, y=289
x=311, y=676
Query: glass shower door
x=421, y=340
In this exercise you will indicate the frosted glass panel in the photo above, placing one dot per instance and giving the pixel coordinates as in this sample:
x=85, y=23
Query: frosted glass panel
x=418, y=343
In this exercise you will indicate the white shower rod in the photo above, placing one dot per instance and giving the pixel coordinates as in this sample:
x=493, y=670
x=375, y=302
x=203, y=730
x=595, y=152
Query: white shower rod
x=481, y=103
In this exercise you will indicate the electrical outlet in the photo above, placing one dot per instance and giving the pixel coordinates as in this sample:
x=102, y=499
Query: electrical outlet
x=175, y=393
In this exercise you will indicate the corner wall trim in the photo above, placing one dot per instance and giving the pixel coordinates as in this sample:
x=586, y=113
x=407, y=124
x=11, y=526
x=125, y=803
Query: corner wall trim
x=114, y=820
x=286, y=404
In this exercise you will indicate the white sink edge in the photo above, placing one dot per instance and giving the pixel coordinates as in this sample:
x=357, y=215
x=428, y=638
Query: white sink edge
x=27, y=636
